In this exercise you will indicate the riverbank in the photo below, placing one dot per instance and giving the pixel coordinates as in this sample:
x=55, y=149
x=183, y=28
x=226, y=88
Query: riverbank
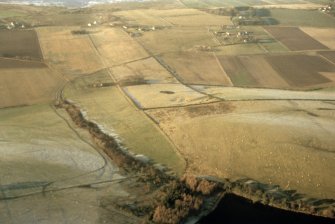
x=173, y=199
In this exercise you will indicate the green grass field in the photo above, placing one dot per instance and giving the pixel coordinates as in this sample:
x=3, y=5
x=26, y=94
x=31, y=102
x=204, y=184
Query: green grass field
x=8, y=13
x=110, y=108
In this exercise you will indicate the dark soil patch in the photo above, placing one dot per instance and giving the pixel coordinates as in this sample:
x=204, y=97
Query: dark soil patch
x=202, y=110
x=294, y=38
x=167, y=92
x=20, y=44
x=301, y=70
x=133, y=81
x=12, y=64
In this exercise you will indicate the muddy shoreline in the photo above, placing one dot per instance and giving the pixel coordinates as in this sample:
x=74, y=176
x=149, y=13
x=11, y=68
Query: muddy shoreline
x=172, y=199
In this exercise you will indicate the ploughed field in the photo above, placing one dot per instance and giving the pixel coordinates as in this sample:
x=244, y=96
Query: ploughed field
x=165, y=84
x=20, y=43
x=281, y=71
x=295, y=39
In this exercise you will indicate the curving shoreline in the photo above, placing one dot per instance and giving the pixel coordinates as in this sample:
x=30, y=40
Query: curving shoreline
x=189, y=198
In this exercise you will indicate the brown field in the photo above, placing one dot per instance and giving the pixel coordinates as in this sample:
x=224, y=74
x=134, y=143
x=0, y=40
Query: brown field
x=145, y=71
x=71, y=54
x=329, y=75
x=301, y=70
x=198, y=68
x=142, y=17
x=19, y=43
x=323, y=35
x=202, y=19
x=26, y=84
x=271, y=142
x=177, y=39
x=277, y=71
x=262, y=71
x=183, y=17
x=294, y=38
x=117, y=47
x=330, y=55
x=175, y=12
x=238, y=73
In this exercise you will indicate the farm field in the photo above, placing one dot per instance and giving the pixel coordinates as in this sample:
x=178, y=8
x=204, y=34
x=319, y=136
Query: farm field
x=178, y=17
x=301, y=70
x=218, y=3
x=245, y=130
x=256, y=3
x=264, y=42
x=9, y=13
x=236, y=93
x=290, y=5
x=141, y=72
x=72, y=55
x=198, y=68
x=298, y=17
x=239, y=75
x=277, y=71
x=330, y=55
x=108, y=107
x=164, y=95
x=132, y=111
x=274, y=47
x=295, y=39
x=117, y=47
x=142, y=17
x=240, y=49
x=26, y=83
x=20, y=43
x=258, y=68
x=70, y=19
x=201, y=19
x=177, y=39
x=323, y=35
